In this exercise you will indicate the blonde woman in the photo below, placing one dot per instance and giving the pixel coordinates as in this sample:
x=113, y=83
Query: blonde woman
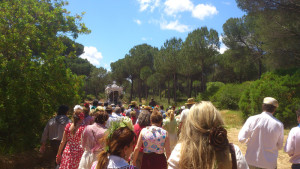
x=203, y=142
x=170, y=125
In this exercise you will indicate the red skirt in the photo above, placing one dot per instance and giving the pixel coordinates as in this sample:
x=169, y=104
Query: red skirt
x=154, y=161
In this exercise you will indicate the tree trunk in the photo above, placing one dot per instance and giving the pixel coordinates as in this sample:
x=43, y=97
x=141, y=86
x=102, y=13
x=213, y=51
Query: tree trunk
x=131, y=90
x=190, y=87
x=139, y=90
x=259, y=68
x=168, y=92
x=174, y=87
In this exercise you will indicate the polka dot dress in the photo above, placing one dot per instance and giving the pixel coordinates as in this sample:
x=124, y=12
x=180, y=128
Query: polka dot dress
x=73, y=150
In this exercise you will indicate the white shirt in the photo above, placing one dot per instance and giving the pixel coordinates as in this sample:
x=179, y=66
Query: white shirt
x=175, y=158
x=263, y=134
x=184, y=114
x=292, y=146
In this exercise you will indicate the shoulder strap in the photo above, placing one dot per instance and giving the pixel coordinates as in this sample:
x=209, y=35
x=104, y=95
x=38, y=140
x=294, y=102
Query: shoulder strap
x=233, y=157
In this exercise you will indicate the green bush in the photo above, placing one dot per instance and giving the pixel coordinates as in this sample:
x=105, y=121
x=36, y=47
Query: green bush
x=211, y=89
x=228, y=96
x=285, y=88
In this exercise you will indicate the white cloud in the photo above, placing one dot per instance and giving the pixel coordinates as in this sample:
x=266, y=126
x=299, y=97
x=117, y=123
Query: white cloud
x=92, y=55
x=201, y=11
x=144, y=39
x=223, y=48
x=138, y=21
x=172, y=7
x=151, y=4
x=174, y=25
x=175, y=6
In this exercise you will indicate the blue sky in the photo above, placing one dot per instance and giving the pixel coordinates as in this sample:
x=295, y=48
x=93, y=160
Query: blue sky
x=119, y=25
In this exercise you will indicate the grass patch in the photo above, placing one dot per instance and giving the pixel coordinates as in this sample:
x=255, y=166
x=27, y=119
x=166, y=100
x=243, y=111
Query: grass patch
x=232, y=118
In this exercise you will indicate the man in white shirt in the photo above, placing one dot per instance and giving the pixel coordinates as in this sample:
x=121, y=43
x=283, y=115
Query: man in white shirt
x=263, y=134
x=292, y=146
x=185, y=112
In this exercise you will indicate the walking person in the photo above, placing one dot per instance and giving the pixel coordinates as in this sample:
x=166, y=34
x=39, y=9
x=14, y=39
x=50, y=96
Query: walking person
x=143, y=121
x=54, y=131
x=292, y=146
x=156, y=142
x=73, y=151
x=119, y=146
x=91, y=140
x=203, y=143
x=170, y=125
x=263, y=134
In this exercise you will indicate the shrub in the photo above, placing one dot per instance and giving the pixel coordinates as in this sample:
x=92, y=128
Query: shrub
x=284, y=88
x=211, y=89
x=228, y=96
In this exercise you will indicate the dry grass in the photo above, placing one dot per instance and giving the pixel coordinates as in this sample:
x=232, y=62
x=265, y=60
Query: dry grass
x=234, y=122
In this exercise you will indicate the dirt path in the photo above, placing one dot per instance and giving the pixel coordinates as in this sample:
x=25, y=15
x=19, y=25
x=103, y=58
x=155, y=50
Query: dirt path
x=283, y=158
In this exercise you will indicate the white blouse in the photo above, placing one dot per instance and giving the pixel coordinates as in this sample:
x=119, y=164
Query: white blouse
x=173, y=162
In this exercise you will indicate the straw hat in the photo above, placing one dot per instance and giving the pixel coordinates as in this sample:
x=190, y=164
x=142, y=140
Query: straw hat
x=190, y=101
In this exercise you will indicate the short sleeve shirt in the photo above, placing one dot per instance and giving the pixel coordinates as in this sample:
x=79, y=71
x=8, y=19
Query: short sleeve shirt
x=154, y=139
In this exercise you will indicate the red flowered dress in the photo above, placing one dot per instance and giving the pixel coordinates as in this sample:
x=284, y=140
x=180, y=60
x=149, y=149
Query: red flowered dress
x=73, y=150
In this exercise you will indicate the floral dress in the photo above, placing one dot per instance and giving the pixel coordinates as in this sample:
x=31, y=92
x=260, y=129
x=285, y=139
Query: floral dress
x=73, y=150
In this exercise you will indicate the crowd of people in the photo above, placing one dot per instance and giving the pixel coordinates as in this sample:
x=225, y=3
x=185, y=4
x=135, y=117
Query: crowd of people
x=194, y=136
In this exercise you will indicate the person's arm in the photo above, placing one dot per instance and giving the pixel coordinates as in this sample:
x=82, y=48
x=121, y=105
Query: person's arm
x=167, y=146
x=44, y=138
x=245, y=132
x=136, y=149
x=280, y=139
x=289, y=145
x=61, y=147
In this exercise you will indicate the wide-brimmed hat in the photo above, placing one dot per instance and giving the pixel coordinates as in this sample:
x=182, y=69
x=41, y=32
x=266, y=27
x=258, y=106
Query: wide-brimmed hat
x=147, y=108
x=109, y=108
x=133, y=103
x=190, y=101
x=271, y=100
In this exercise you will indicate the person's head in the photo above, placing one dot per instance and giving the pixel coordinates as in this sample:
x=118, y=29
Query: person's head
x=133, y=113
x=86, y=111
x=62, y=110
x=190, y=102
x=108, y=109
x=156, y=118
x=78, y=117
x=87, y=105
x=100, y=117
x=95, y=102
x=144, y=118
x=77, y=107
x=269, y=104
x=170, y=114
x=105, y=104
x=117, y=110
x=204, y=139
x=120, y=143
x=155, y=109
x=161, y=107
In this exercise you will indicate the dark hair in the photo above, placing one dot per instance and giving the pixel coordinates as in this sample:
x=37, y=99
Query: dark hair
x=268, y=108
x=162, y=107
x=95, y=102
x=144, y=118
x=121, y=137
x=62, y=110
x=156, y=118
x=105, y=104
x=86, y=111
x=101, y=117
x=298, y=112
